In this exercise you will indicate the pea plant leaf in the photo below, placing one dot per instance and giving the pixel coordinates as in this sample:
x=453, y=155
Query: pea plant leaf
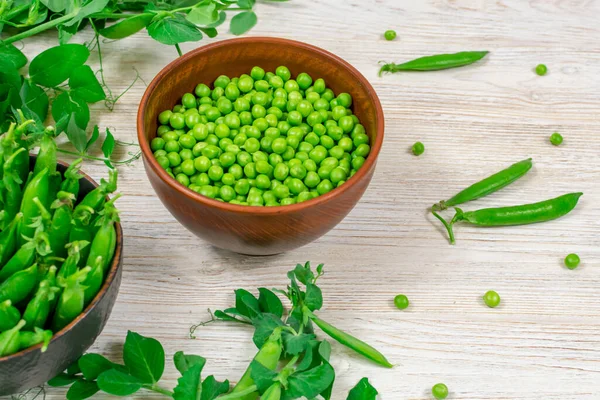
x=107, y=149
x=183, y=362
x=127, y=27
x=9, y=74
x=65, y=33
x=12, y=55
x=243, y=22
x=205, y=14
x=174, y=30
x=34, y=98
x=304, y=274
x=92, y=365
x=56, y=5
x=62, y=379
x=54, y=66
x=264, y=324
x=82, y=389
x=247, y=4
x=311, y=358
x=246, y=304
x=268, y=302
x=90, y=7
x=67, y=104
x=75, y=134
x=309, y=383
x=118, y=383
x=93, y=138
x=363, y=391
x=145, y=357
x=210, y=32
x=313, y=298
x=262, y=376
x=220, y=20
x=189, y=386
x=296, y=344
x=84, y=84
x=211, y=388
x=324, y=352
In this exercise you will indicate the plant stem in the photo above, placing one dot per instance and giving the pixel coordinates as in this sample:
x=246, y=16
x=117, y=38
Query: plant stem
x=178, y=49
x=112, y=15
x=158, y=389
x=447, y=225
x=88, y=157
x=237, y=395
x=40, y=28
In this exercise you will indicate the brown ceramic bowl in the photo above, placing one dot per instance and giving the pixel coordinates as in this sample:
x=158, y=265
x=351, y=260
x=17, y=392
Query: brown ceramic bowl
x=245, y=229
x=31, y=367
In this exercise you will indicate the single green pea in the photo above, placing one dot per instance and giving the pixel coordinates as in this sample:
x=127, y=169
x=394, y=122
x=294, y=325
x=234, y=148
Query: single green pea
x=183, y=179
x=174, y=159
x=245, y=84
x=202, y=164
x=304, y=80
x=439, y=391
x=418, y=148
x=325, y=186
x=491, y=299
x=232, y=92
x=272, y=132
x=541, y=69
x=237, y=171
x=362, y=150
x=390, y=35
x=312, y=179
x=157, y=144
x=202, y=90
x=556, y=139
x=337, y=175
x=242, y=187
x=187, y=167
x=221, y=82
x=358, y=162
x=163, y=161
x=165, y=117
x=276, y=82
x=257, y=73
x=344, y=100
x=159, y=153
x=177, y=121
x=250, y=170
x=346, y=123
x=227, y=159
x=188, y=100
x=336, y=152
x=327, y=141
x=572, y=261
x=227, y=193
x=312, y=97
x=401, y=302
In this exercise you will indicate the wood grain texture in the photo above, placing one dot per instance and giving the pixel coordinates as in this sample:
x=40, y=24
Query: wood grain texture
x=542, y=342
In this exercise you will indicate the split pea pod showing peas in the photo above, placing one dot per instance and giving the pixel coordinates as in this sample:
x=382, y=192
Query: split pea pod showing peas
x=487, y=186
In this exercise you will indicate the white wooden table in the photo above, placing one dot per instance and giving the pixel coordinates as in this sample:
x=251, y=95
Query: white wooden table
x=543, y=341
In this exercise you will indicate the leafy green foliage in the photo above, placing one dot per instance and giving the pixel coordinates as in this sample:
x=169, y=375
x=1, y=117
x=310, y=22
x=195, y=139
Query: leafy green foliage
x=144, y=357
x=174, y=30
x=363, y=391
x=55, y=65
x=82, y=389
x=243, y=22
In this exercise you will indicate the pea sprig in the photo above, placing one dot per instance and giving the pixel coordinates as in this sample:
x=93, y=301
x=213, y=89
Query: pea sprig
x=291, y=363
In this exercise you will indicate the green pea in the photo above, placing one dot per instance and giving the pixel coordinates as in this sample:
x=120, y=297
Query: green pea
x=261, y=124
x=312, y=179
x=207, y=101
x=202, y=90
x=183, y=179
x=344, y=100
x=358, y=162
x=281, y=171
x=250, y=170
x=296, y=186
x=232, y=92
x=221, y=82
x=326, y=141
x=157, y=144
x=298, y=171
x=491, y=299
x=262, y=86
x=227, y=193
x=257, y=73
x=335, y=132
x=572, y=261
x=336, y=152
x=401, y=302
x=390, y=35
x=275, y=159
x=281, y=191
x=439, y=391
x=362, y=150
x=337, y=175
x=556, y=139
x=319, y=86
x=346, y=123
x=237, y=171
x=174, y=159
x=165, y=117
x=276, y=82
x=417, y=149
x=163, y=161
x=187, y=167
x=283, y=72
x=244, y=158
x=304, y=108
x=304, y=196
x=242, y=187
x=245, y=84
x=541, y=69
x=188, y=100
x=312, y=97
x=159, y=153
x=263, y=181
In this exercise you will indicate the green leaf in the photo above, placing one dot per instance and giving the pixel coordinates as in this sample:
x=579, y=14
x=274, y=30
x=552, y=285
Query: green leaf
x=309, y=383
x=9, y=74
x=324, y=354
x=269, y=302
x=311, y=358
x=90, y=7
x=183, y=362
x=222, y=315
x=35, y=99
x=304, y=274
x=246, y=304
x=243, y=22
x=83, y=83
x=92, y=365
x=211, y=388
x=54, y=66
x=9, y=98
x=75, y=134
x=189, y=386
x=210, y=32
x=67, y=104
x=204, y=14
x=174, y=30
x=296, y=344
x=220, y=21
x=107, y=149
x=127, y=27
x=264, y=325
x=362, y=391
x=313, y=298
x=246, y=3
x=262, y=376
x=56, y=5
x=12, y=55
x=118, y=383
x=93, y=138
x=65, y=33
x=73, y=368
x=62, y=379
x=145, y=357
x=82, y=389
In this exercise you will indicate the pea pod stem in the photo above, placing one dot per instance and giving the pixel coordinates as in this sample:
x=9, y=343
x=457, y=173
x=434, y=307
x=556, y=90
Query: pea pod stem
x=447, y=225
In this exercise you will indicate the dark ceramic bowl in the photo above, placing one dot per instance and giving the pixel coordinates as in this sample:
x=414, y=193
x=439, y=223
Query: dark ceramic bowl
x=31, y=367
x=245, y=229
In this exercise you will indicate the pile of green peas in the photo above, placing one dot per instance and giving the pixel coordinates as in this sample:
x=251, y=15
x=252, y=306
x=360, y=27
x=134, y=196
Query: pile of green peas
x=261, y=139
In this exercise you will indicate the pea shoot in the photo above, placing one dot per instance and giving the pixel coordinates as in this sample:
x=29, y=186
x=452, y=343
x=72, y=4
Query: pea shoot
x=541, y=69
x=401, y=302
x=572, y=261
x=389, y=35
x=556, y=139
x=418, y=148
x=491, y=299
x=439, y=391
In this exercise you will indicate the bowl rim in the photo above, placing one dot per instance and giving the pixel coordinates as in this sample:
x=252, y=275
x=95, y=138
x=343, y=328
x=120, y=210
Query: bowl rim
x=110, y=277
x=362, y=172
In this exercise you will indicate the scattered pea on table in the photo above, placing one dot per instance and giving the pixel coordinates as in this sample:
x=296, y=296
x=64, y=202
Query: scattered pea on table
x=556, y=139
x=541, y=69
x=401, y=302
x=491, y=299
x=439, y=391
x=390, y=34
x=572, y=261
x=418, y=148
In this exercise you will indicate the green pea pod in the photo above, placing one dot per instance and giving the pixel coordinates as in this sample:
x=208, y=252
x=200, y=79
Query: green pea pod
x=72, y=299
x=105, y=239
x=9, y=316
x=12, y=193
x=487, y=186
x=268, y=356
x=54, y=183
x=273, y=392
x=19, y=285
x=72, y=176
x=62, y=219
x=69, y=267
x=436, y=62
x=46, y=158
x=94, y=280
x=9, y=340
x=37, y=310
x=97, y=197
x=21, y=260
x=37, y=187
x=8, y=239
x=28, y=339
x=12, y=144
x=350, y=341
x=81, y=233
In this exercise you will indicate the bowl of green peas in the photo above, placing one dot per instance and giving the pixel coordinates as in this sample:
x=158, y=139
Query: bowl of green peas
x=260, y=145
